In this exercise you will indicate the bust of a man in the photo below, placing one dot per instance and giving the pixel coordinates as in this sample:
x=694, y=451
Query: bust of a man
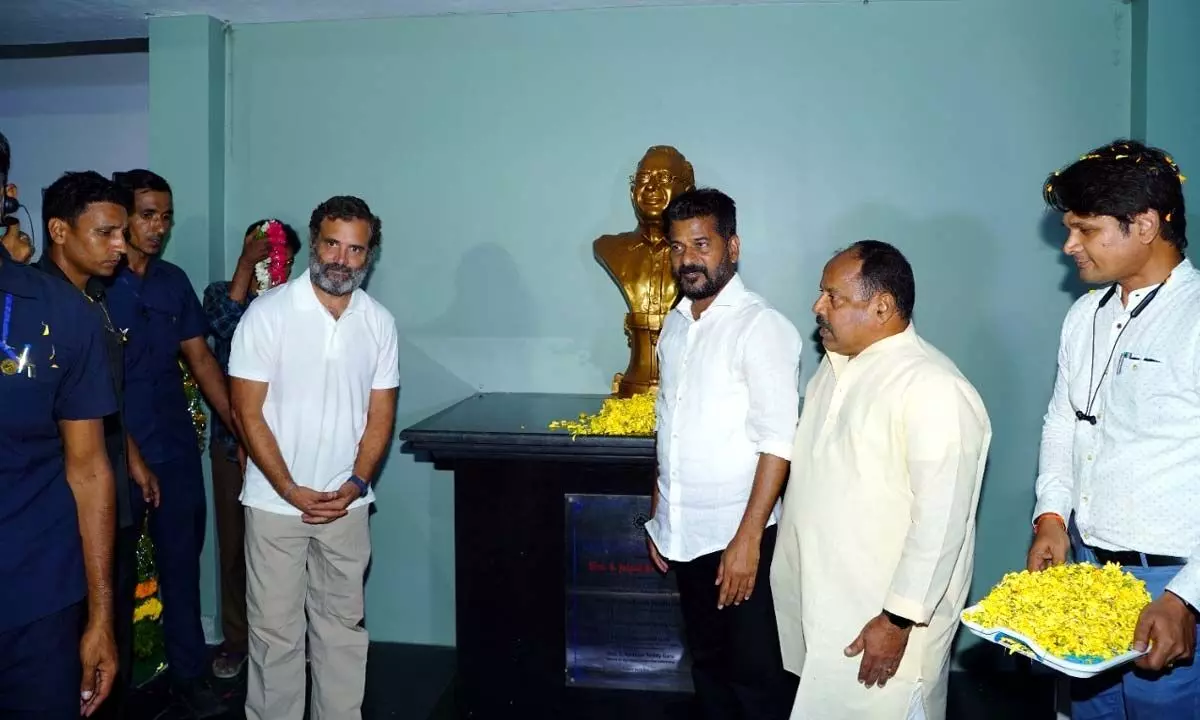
x=639, y=261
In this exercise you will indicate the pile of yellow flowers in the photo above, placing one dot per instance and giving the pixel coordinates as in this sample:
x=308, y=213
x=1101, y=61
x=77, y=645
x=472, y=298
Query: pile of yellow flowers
x=617, y=416
x=1076, y=612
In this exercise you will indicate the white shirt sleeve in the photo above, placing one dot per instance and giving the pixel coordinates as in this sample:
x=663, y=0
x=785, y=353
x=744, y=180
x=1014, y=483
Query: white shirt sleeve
x=387, y=372
x=944, y=441
x=252, y=352
x=1186, y=583
x=1056, y=474
x=771, y=362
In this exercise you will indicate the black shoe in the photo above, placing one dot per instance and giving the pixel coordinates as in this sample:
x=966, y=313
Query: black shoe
x=200, y=700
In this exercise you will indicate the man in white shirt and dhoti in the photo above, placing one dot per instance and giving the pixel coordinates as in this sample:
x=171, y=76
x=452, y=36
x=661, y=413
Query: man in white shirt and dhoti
x=876, y=542
x=726, y=413
x=1120, y=454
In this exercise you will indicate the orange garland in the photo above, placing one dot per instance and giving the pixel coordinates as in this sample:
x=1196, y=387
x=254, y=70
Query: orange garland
x=146, y=588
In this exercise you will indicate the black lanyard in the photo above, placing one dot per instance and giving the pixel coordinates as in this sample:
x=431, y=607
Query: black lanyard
x=1086, y=415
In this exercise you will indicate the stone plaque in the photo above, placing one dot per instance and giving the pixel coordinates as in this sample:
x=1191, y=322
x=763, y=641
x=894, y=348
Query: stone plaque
x=624, y=628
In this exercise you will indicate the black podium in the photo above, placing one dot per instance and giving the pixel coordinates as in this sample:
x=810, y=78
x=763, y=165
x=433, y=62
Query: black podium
x=559, y=612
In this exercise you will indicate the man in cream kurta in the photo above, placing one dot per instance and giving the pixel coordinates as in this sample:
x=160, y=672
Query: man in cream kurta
x=875, y=546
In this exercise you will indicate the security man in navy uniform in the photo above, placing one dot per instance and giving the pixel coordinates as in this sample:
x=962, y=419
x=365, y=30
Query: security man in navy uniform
x=153, y=301
x=84, y=220
x=57, y=653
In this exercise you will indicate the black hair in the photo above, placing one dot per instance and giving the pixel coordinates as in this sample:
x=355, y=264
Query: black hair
x=136, y=181
x=69, y=196
x=701, y=203
x=1123, y=179
x=289, y=232
x=5, y=157
x=886, y=270
x=346, y=207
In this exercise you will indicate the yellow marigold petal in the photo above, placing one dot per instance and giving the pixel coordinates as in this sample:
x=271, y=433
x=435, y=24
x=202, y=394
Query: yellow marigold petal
x=617, y=416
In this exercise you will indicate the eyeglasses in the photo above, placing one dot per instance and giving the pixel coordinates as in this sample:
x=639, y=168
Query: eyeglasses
x=662, y=177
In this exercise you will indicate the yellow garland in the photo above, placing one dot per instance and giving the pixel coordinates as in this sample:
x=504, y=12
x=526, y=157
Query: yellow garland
x=617, y=416
x=149, y=610
x=195, y=403
x=1078, y=612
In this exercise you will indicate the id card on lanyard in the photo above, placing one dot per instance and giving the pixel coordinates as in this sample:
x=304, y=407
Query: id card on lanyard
x=13, y=363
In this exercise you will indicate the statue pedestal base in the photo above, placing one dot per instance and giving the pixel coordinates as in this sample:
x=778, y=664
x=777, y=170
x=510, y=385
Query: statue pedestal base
x=559, y=612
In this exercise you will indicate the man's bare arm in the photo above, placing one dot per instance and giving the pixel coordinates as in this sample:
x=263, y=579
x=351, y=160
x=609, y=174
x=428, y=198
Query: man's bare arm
x=381, y=418
x=769, y=477
x=738, y=571
x=91, y=479
x=247, y=399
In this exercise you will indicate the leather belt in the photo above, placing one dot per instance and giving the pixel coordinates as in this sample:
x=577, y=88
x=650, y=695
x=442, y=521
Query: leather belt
x=1130, y=558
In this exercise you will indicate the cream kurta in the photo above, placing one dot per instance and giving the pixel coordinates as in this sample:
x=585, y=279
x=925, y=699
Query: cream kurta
x=879, y=513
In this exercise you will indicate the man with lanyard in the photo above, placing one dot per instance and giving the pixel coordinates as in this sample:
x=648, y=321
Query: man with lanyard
x=56, y=508
x=1119, y=477
x=153, y=304
x=84, y=216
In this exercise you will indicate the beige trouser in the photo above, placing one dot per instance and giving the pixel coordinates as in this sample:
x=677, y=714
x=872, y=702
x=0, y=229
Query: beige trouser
x=292, y=567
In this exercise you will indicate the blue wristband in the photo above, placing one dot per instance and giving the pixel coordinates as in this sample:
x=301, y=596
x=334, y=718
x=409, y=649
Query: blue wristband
x=361, y=484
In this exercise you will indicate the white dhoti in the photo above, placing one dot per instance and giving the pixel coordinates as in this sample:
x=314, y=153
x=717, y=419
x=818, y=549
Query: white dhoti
x=879, y=513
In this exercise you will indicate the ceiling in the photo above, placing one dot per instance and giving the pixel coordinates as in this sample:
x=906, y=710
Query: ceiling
x=26, y=22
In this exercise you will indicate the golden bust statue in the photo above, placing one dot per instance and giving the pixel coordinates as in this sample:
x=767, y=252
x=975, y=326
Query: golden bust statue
x=639, y=262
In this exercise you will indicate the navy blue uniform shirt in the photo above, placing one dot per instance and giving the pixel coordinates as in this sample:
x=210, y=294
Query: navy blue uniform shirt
x=156, y=312
x=114, y=426
x=53, y=367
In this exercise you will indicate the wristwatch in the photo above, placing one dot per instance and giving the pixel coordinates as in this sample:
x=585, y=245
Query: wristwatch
x=361, y=484
x=900, y=622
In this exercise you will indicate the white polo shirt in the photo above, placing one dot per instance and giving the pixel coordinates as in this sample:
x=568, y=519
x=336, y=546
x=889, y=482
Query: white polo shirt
x=320, y=372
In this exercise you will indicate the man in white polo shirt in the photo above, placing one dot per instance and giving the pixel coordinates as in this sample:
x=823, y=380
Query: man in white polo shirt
x=313, y=377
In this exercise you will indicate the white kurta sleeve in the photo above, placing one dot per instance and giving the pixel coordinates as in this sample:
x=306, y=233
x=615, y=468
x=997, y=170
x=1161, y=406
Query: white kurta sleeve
x=1055, y=480
x=945, y=437
x=771, y=362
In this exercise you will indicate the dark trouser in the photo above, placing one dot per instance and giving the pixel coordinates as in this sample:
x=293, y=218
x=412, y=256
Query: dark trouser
x=125, y=572
x=231, y=547
x=177, y=529
x=1130, y=693
x=40, y=670
x=737, y=668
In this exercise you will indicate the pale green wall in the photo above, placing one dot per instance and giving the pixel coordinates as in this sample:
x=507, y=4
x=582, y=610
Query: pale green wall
x=1166, y=85
x=497, y=147
x=187, y=146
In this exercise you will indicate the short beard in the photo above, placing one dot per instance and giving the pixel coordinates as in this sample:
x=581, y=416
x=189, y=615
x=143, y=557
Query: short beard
x=320, y=274
x=713, y=283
